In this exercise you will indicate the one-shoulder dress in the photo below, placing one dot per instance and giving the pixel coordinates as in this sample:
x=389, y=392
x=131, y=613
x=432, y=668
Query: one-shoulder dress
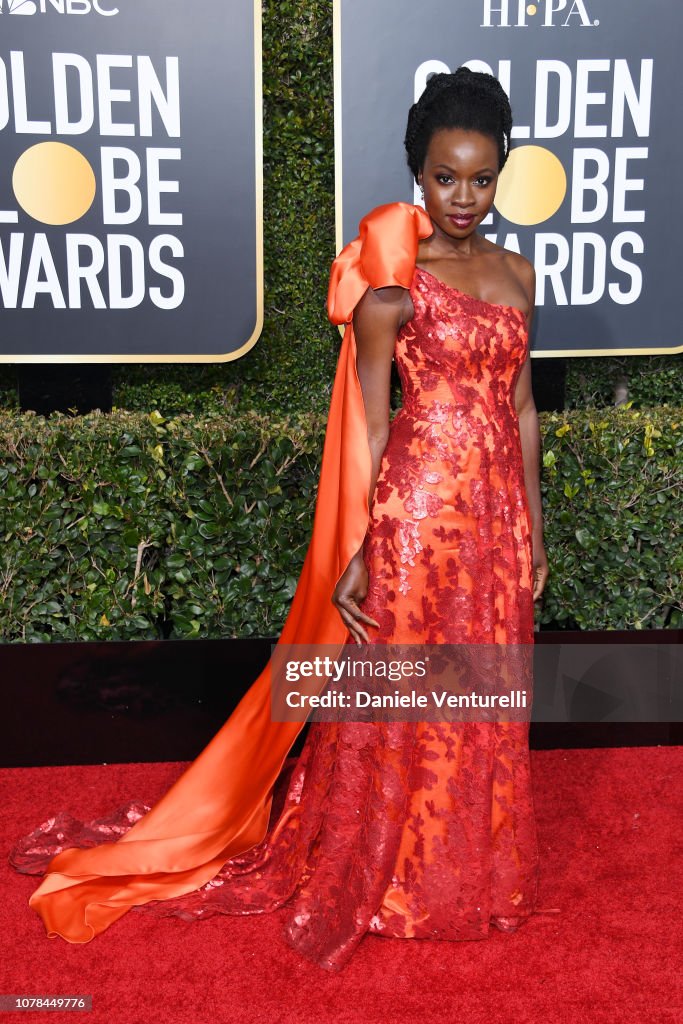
x=401, y=829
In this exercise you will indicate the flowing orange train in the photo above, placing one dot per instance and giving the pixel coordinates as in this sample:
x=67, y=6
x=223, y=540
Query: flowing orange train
x=220, y=806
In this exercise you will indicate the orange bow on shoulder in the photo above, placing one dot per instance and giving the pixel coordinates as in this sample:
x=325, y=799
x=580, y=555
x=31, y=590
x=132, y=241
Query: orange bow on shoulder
x=220, y=806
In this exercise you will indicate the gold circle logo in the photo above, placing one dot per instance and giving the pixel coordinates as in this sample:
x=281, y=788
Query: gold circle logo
x=531, y=186
x=53, y=183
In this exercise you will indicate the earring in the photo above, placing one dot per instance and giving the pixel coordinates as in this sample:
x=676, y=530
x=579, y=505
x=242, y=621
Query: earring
x=422, y=192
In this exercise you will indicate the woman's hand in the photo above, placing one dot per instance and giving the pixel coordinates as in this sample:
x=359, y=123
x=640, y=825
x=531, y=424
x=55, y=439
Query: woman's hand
x=348, y=594
x=540, y=566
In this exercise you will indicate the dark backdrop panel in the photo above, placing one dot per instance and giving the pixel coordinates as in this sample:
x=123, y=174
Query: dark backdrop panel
x=93, y=703
x=606, y=74
x=209, y=147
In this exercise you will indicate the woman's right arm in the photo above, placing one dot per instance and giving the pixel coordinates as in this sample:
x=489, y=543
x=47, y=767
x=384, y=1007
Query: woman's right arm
x=376, y=321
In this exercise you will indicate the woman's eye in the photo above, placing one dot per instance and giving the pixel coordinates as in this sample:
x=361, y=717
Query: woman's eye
x=444, y=178
x=484, y=181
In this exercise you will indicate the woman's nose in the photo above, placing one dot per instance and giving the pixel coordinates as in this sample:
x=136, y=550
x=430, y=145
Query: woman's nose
x=462, y=196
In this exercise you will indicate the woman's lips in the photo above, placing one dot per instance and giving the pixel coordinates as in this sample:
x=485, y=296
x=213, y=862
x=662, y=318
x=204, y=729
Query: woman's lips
x=461, y=220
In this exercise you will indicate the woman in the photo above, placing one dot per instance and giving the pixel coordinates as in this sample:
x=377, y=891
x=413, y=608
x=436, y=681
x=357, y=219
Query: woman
x=426, y=531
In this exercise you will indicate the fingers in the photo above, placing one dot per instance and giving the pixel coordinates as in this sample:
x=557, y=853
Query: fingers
x=357, y=632
x=362, y=617
x=540, y=579
x=352, y=617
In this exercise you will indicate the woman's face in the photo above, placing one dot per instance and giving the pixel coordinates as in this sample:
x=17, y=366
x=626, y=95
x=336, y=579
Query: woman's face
x=459, y=177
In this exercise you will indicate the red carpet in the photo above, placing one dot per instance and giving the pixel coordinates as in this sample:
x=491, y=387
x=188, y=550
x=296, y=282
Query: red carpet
x=610, y=825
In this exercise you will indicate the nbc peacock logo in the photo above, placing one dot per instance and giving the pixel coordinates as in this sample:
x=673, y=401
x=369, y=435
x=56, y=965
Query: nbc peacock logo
x=18, y=7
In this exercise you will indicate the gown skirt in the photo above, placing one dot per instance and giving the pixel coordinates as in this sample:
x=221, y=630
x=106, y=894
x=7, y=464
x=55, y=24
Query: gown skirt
x=401, y=829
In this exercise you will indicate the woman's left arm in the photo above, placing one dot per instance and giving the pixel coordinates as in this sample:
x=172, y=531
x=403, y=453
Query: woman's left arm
x=530, y=437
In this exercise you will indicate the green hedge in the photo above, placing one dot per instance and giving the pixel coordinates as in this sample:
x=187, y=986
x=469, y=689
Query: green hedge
x=612, y=487
x=135, y=527
x=650, y=381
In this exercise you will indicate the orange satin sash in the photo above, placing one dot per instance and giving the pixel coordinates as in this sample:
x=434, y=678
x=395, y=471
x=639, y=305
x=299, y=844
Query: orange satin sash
x=220, y=806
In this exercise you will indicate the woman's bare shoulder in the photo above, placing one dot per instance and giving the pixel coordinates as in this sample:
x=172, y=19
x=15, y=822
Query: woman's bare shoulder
x=512, y=265
x=521, y=267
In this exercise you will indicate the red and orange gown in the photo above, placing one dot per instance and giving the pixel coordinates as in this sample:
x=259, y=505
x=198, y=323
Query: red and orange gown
x=402, y=829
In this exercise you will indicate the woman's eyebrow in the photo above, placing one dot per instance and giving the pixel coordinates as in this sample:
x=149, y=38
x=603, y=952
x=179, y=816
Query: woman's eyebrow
x=481, y=170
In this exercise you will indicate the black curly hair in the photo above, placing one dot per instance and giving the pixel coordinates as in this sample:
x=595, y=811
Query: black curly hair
x=472, y=100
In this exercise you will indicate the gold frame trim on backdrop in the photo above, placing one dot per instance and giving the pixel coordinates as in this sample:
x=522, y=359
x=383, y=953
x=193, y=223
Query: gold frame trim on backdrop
x=339, y=222
x=142, y=357
x=337, y=103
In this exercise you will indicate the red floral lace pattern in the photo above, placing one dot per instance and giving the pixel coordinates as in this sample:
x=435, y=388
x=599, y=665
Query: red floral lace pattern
x=406, y=829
